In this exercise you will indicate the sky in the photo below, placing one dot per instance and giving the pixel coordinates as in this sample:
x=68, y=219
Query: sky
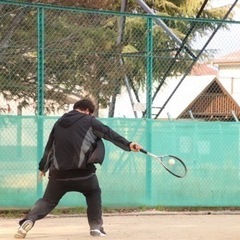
x=225, y=41
x=220, y=3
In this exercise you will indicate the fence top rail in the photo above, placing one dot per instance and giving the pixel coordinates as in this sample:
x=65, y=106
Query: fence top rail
x=106, y=12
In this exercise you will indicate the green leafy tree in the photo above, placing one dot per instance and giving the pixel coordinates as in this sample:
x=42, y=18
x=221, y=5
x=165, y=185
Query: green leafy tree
x=82, y=55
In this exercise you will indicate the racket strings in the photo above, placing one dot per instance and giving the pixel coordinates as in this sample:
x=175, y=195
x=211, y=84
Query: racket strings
x=174, y=165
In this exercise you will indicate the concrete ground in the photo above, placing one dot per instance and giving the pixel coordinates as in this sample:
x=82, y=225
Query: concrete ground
x=139, y=226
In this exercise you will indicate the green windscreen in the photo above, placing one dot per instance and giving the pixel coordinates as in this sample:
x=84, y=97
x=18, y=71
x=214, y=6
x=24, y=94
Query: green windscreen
x=209, y=149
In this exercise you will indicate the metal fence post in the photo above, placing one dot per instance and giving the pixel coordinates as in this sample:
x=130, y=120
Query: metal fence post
x=149, y=71
x=40, y=89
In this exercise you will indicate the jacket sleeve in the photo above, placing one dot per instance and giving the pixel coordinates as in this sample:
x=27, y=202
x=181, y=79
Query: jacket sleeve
x=105, y=132
x=45, y=162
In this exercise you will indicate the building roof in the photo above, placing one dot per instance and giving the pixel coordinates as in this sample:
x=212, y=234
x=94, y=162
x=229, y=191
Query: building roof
x=203, y=69
x=231, y=58
x=188, y=90
x=214, y=102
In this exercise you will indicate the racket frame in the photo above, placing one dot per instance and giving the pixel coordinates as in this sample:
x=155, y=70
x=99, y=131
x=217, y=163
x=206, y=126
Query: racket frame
x=172, y=156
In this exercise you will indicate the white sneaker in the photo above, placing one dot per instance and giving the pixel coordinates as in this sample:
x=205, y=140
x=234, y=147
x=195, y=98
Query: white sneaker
x=98, y=233
x=23, y=229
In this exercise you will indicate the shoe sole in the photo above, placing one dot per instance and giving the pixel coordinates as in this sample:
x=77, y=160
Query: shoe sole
x=24, y=228
x=20, y=235
x=97, y=233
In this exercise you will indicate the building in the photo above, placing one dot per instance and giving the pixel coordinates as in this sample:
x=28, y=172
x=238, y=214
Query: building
x=208, y=93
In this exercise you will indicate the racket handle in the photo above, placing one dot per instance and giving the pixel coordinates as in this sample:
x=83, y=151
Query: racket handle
x=143, y=151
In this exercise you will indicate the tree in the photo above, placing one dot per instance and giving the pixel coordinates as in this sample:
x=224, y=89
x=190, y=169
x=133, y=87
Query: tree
x=81, y=54
x=81, y=59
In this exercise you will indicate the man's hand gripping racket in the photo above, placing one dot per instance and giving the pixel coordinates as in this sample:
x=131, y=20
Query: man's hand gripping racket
x=172, y=164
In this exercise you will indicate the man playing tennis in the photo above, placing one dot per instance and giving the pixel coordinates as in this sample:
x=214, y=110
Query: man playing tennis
x=74, y=145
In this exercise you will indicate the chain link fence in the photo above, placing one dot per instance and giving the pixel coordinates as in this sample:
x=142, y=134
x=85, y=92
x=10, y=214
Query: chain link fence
x=171, y=84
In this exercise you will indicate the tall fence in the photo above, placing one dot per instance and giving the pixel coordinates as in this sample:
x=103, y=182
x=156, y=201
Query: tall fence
x=51, y=56
x=132, y=65
x=209, y=149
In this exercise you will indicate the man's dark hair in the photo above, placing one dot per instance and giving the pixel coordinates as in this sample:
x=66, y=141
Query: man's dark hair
x=84, y=104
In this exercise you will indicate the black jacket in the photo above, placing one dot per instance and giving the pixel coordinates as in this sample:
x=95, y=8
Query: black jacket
x=72, y=142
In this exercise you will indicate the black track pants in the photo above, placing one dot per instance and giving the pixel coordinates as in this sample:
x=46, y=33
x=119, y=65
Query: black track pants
x=56, y=189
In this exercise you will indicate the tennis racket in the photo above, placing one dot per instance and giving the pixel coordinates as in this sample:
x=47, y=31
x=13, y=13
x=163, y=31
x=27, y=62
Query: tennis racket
x=172, y=164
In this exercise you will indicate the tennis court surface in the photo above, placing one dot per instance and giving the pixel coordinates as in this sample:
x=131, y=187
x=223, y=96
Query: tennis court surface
x=139, y=226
